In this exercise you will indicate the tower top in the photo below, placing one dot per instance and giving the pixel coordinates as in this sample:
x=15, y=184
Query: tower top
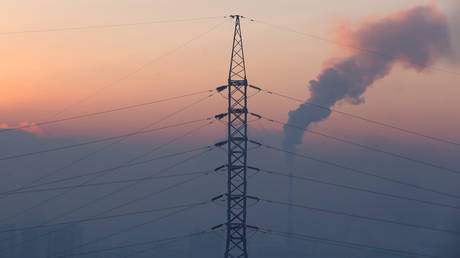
x=235, y=16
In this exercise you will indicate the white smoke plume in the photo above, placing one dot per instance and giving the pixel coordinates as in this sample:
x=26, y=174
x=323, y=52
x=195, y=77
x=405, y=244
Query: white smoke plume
x=416, y=38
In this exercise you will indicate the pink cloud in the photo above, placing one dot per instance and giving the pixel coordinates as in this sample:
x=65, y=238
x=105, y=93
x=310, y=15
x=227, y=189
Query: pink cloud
x=29, y=127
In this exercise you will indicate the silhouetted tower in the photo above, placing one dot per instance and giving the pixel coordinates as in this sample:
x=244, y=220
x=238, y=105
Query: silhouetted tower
x=237, y=143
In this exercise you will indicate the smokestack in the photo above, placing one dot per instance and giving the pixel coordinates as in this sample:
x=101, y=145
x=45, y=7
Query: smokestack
x=416, y=38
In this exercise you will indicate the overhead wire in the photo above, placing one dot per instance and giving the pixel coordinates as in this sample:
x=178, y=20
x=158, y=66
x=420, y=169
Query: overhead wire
x=106, y=170
x=127, y=163
x=361, y=217
x=124, y=188
x=143, y=197
x=359, y=189
x=363, y=172
x=111, y=209
x=360, y=145
x=142, y=251
x=70, y=146
x=360, y=49
x=101, y=173
x=102, y=218
x=365, y=119
x=53, y=197
x=142, y=67
x=347, y=244
x=419, y=135
x=138, y=252
x=107, y=183
x=105, y=26
x=103, y=112
x=123, y=231
x=169, y=239
x=178, y=111
x=122, y=79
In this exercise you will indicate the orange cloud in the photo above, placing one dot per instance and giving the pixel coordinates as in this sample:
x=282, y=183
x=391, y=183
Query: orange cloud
x=29, y=127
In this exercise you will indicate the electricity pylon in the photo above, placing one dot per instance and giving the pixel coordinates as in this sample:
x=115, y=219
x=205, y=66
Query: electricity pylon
x=237, y=146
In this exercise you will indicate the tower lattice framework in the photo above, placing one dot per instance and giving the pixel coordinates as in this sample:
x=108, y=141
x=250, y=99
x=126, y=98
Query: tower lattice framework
x=237, y=143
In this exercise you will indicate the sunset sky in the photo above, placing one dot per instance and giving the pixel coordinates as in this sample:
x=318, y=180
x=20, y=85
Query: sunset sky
x=44, y=75
x=65, y=58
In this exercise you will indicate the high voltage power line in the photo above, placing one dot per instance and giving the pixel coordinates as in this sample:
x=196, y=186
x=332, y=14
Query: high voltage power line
x=106, y=26
x=361, y=172
x=124, y=137
x=157, y=191
x=393, y=154
x=142, y=67
x=361, y=217
x=375, y=52
x=116, y=191
x=57, y=188
x=71, y=146
x=232, y=199
x=359, y=189
x=105, y=170
x=131, y=228
x=150, y=249
x=139, y=199
x=365, y=119
x=117, y=109
x=347, y=244
x=380, y=123
x=367, y=173
x=169, y=239
x=118, y=206
x=47, y=200
x=88, y=220
x=133, y=160
x=144, y=129
x=128, y=163
x=102, y=173
x=280, y=27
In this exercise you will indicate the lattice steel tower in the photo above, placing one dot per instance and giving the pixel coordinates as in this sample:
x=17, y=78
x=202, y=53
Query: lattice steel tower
x=237, y=143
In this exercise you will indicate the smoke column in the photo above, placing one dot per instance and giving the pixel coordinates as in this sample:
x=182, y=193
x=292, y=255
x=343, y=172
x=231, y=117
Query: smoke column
x=415, y=38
